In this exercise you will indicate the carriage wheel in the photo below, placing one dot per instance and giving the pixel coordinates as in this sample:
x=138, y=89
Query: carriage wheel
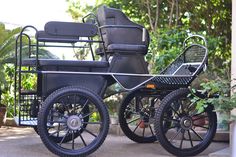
x=73, y=114
x=136, y=116
x=67, y=138
x=190, y=132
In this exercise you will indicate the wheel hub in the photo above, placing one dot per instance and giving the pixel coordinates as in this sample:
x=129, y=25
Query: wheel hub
x=186, y=123
x=74, y=122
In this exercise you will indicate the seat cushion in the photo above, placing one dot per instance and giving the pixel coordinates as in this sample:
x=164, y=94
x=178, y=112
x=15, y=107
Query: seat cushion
x=127, y=48
x=42, y=36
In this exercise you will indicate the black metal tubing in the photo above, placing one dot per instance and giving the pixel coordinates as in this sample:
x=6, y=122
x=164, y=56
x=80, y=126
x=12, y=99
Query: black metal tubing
x=15, y=74
x=20, y=60
x=64, y=46
x=90, y=14
x=103, y=44
x=99, y=30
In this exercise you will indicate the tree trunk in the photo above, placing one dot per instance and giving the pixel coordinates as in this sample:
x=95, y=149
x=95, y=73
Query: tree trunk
x=149, y=14
x=171, y=13
x=157, y=14
x=177, y=13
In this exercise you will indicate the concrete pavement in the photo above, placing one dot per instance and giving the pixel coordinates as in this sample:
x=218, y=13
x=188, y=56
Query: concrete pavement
x=24, y=142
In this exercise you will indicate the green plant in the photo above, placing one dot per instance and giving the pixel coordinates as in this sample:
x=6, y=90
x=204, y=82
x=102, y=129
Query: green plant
x=7, y=46
x=223, y=102
x=164, y=47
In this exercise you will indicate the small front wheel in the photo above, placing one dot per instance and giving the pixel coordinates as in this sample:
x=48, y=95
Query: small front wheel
x=136, y=115
x=189, y=131
x=73, y=121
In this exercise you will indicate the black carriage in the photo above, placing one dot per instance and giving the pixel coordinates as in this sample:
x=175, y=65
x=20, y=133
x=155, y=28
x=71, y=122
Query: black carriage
x=66, y=105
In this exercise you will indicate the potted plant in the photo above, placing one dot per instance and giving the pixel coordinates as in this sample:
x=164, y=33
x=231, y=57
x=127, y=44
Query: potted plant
x=223, y=103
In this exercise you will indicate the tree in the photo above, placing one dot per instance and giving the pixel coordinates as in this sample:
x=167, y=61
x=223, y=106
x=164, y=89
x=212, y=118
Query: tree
x=7, y=48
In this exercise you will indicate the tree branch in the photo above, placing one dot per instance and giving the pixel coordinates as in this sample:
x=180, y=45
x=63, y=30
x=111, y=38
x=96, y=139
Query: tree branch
x=149, y=14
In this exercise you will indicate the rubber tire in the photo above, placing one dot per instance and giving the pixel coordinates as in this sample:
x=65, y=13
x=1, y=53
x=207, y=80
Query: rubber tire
x=161, y=135
x=42, y=116
x=125, y=128
x=36, y=129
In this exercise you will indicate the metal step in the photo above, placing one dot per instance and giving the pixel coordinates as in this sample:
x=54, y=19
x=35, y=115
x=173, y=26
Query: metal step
x=23, y=122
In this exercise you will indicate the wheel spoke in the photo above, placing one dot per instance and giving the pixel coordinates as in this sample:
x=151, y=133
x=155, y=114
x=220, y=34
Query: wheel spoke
x=92, y=122
x=64, y=137
x=132, y=106
x=190, y=138
x=133, y=120
x=85, y=104
x=143, y=131
x=56, y=132
x=174, y=111
x=182, y=139
x=200, y=126
x=151, y=130
x=137, y=107
x=200, y=118
x=54, y=110
x=90, y=132
x=81, y=137
x=189, y=106
x=141, y=103
x=197, y=134
x=66, y=106
x=181, y=106
x=74, y=108
x=73, y=140
x=137, y=126
x=89, y=114
x=173, y=137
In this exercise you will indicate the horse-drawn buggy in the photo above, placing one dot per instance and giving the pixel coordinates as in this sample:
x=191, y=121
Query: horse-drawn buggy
x=66, y=106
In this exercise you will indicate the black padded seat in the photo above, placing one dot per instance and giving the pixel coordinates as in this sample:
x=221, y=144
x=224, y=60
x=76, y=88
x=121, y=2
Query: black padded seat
x=68, y=63
x=42, y=36
x=127, y=48
x=120, y=34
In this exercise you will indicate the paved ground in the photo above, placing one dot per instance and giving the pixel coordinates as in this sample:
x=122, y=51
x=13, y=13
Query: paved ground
x=23, y=142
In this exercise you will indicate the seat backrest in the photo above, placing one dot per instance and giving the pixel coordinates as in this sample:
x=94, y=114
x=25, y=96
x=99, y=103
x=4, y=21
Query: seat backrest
x=112, y=16
x=117, y=28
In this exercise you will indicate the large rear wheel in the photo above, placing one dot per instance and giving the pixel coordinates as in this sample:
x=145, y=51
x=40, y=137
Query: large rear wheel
x=73, y=121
